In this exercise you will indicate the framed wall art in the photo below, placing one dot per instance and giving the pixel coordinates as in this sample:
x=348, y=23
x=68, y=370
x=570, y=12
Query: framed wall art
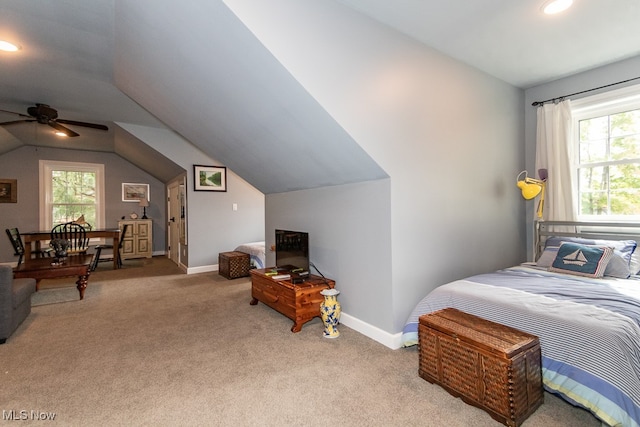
x=134, y=192
x=8, y=191
x=209, y=178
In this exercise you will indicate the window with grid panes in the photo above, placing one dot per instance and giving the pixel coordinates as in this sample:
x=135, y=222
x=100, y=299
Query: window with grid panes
x=607, y=135
x=71, y=190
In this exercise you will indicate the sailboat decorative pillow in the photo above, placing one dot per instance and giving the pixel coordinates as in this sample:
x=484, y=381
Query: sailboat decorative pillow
x=582, y=260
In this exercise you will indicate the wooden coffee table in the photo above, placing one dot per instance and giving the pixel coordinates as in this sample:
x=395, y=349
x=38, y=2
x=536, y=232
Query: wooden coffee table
x=44, y=268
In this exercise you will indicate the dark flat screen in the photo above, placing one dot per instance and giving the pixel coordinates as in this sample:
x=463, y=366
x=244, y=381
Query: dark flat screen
x=292, y=249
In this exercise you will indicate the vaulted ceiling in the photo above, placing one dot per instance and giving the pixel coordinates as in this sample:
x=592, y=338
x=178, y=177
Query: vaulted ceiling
x=199, y=69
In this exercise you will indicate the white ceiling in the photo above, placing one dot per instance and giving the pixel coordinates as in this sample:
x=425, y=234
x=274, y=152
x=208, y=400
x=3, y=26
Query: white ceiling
x=68, y=50
x=512, y=39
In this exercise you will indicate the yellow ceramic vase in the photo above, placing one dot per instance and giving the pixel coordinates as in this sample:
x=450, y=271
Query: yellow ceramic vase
x=330, y=312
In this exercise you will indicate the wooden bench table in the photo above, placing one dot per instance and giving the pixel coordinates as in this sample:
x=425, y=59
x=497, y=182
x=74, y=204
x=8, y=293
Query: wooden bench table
x=45, y=268
x=300, y=302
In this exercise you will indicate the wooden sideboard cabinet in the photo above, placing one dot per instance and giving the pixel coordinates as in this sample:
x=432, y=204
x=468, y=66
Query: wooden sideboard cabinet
x=138, y=240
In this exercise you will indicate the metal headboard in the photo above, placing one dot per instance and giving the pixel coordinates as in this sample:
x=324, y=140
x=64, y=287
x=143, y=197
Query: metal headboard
x=587, y=230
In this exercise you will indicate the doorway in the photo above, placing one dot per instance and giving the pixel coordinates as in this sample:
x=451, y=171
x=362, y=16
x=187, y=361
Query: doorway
x=176, y=207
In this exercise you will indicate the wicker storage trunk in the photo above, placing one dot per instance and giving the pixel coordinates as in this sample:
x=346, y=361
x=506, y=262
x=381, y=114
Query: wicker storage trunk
x=488, y=365
x=233, y=264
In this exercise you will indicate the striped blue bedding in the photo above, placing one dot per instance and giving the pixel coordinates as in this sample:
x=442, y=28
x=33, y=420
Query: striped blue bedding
x=589, y=331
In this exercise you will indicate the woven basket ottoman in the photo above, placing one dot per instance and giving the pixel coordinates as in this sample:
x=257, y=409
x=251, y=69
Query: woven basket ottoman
x=233, y=264
x=486, y=364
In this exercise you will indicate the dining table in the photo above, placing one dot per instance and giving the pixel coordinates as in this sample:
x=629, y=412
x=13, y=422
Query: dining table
x=35, y=238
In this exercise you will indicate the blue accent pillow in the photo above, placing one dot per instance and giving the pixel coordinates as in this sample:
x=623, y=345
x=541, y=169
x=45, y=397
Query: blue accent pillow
x=624, y=247
x=582, y=260
x=619, y=266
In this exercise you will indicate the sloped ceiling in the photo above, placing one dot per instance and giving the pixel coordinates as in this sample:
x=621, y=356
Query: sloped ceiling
x=114, y=140
x=242, y=106
x=198, y=70
x=143, y=156
x=66, y=62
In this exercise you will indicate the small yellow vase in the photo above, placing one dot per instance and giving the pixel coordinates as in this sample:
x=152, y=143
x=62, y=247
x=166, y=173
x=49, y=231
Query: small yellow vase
x=330, y=312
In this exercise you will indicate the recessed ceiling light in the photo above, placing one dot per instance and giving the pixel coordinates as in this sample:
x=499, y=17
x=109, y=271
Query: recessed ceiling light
x=8, y=47
x=552, y=7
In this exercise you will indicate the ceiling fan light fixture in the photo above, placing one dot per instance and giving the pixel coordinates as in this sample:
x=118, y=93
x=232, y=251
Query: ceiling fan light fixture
x=44, y=114
x=8, y=47
x=551, y=7
x=62, y=134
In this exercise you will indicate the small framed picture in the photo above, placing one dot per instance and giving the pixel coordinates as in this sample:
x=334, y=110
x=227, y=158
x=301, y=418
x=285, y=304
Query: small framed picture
x=8, y=191
x=134, y=192
x=209, y=178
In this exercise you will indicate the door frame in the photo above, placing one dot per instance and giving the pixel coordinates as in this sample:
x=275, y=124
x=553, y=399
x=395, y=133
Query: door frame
x=176, y=221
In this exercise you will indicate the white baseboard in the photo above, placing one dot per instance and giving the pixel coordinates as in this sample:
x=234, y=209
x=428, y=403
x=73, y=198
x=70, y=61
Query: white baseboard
x=202, y=269
x=393, y=341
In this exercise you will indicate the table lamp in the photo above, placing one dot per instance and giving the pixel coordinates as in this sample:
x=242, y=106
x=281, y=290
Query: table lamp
x=532, y=187
x=143, y=204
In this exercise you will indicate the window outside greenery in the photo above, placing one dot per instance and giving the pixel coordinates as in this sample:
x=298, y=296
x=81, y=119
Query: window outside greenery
x=609, y=165
x=73, y=195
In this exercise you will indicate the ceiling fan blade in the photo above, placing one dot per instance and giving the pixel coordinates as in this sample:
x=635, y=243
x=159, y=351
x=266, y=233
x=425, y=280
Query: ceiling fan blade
x=60, y=128
x=85, y=124
x=17, y=114
x=15, y=122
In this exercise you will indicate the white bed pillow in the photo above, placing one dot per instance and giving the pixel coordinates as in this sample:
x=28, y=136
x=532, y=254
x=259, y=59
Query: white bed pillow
x=634, y=264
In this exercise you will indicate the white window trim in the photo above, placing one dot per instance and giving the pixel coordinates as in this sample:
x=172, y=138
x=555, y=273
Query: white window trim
x=594, y=105
x=627, y=98
x=46, y=168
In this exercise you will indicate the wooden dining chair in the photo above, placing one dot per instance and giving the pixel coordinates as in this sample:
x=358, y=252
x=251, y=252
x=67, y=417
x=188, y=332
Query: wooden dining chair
x=75, y=234
x=116, y=251
x=16, y=242
x=18, y=245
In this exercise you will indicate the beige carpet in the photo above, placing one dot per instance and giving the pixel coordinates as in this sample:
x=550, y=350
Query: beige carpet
x=152, y=346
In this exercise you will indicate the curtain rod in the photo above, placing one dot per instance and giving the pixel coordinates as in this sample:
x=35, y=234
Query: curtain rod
x=535, y=104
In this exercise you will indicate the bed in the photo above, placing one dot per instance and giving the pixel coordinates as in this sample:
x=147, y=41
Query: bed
x=588, y=322
x=256, y=253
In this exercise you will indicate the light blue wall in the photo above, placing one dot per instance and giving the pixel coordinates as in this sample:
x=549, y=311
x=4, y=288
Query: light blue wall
x=349, y=238
x=619, y=71
x=22, y=164
x=213, y=226
x=449, y=136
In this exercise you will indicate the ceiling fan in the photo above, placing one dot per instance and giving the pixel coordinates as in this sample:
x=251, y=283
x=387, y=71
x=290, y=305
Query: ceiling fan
x=44, y=114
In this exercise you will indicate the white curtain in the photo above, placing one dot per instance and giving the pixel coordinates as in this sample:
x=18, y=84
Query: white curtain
x=554, y=153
